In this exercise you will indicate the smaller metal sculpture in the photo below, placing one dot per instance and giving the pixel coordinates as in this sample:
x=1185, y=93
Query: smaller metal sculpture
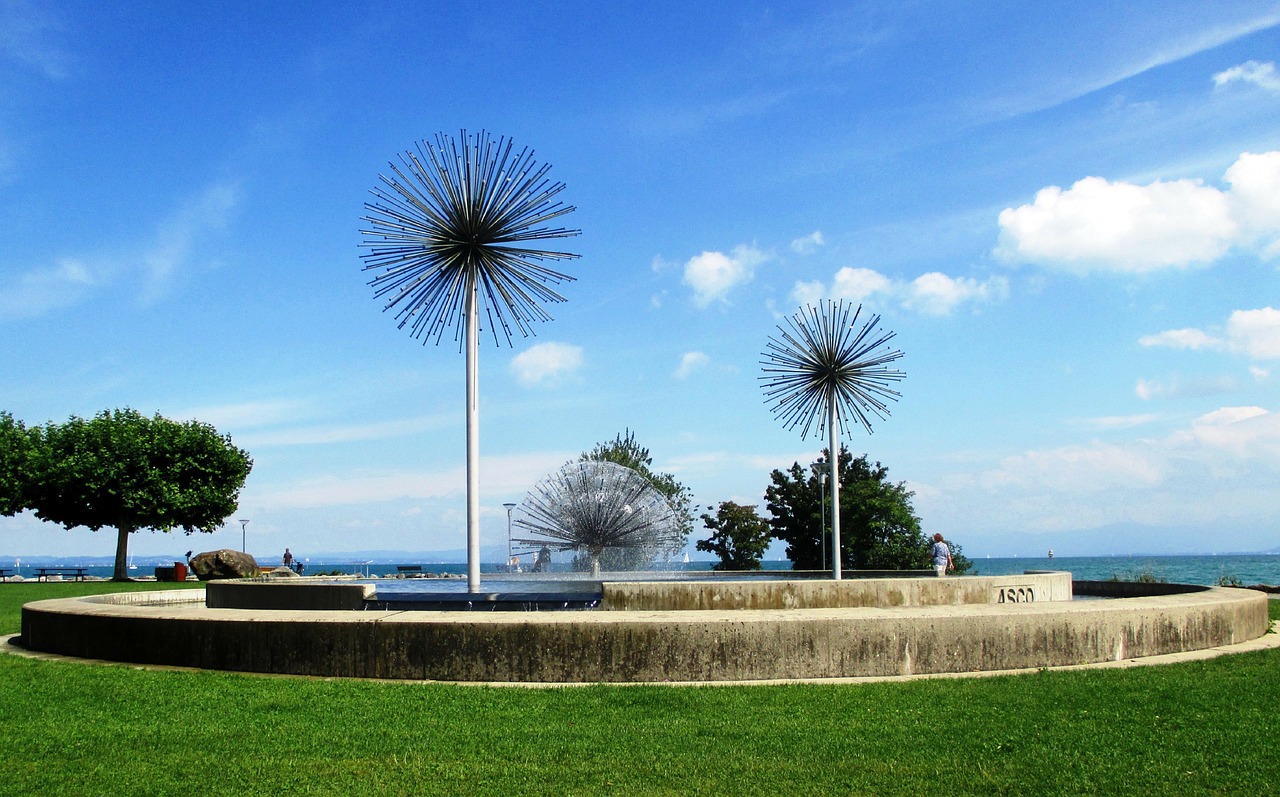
x=590, y=506
x=825, y=369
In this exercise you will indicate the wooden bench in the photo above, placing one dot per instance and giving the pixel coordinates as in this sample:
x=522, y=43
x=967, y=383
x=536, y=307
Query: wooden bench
x=76, y=573
x=4, y=574
x=409, y=569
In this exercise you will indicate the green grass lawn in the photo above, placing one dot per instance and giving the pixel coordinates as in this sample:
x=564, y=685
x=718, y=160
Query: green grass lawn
x=1197, y=728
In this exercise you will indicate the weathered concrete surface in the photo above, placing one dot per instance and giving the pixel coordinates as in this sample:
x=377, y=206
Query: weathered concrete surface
x=632, y=646
x=288, y=594
x=827, y=594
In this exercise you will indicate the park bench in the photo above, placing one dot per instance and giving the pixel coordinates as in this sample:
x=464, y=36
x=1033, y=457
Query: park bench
x=409, y=569
x=5, y=573
x=76, y=573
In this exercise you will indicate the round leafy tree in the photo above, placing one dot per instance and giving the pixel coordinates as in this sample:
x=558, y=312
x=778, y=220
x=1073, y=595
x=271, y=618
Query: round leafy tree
x=739, y=536
x=123, y=470
x=17, y=443
x=881, y=530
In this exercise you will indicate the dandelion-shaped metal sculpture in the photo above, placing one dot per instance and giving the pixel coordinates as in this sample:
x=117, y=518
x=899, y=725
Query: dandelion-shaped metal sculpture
x=593, y=505
x=825, y=369
x=454, y=227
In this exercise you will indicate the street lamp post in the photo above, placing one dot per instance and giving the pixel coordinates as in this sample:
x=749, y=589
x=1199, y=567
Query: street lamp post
x=244, y=548
x=509, y=506
x=822, y=533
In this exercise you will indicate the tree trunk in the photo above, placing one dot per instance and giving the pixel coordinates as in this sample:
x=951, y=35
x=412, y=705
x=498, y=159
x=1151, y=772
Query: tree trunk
x=122, y=555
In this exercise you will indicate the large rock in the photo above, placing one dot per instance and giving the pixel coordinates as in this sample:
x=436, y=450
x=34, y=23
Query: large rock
x=224, y=563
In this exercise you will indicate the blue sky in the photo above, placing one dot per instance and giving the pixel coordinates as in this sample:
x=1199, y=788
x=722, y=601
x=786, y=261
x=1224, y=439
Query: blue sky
x=1070, y=216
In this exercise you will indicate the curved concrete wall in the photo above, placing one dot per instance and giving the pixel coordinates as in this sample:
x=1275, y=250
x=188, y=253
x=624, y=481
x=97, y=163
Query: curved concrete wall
x=633, y=646
x=828, y=594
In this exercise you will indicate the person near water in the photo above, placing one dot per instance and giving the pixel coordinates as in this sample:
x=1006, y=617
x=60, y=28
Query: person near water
x=940, y=553
x=288, y=558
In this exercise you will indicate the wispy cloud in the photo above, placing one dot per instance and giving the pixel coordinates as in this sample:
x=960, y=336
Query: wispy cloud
x=174, y=246
x=1200, y=38
x=1258, y=73
x=808, y=244
x=26, y=38
x=1176, y=387
x=176, y=238
x=43, y=290
x=1255, y=333
x=1224, y=463
x=507, y=475
x=690, y=363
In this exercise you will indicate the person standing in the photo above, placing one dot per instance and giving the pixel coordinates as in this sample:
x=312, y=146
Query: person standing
x=941, y=555
x=288, y=558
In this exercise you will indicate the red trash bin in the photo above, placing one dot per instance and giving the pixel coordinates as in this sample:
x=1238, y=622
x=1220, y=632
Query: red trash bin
x=179, y=571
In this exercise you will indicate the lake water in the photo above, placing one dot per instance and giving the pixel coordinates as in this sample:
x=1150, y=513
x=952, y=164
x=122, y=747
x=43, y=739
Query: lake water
x=1248, y=569
x=1208, y=570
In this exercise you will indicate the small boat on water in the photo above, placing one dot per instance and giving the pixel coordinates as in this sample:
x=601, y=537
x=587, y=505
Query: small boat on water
x=1050, y=553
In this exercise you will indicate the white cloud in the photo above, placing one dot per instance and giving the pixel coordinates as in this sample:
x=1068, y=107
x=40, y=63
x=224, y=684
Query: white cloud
x=1255, y=199
x=1255, y=333
x=546, y=363
x=40, y=290
x=937, y=294
x=808, y=244
x=1255, y=72
x=856, y=284
x=1098, y=225
x=690, y=363
x=803, y=293
x=713, y=274
x=933, y=293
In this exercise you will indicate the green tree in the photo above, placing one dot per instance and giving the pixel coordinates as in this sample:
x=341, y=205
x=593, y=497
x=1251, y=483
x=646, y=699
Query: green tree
x=879, y=529
x=739, y=536
x=624, y=450
x=124, y=470
x=17, y=443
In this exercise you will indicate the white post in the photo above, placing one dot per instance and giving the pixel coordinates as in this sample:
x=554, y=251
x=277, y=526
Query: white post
x=473, y=435
x=834, y=456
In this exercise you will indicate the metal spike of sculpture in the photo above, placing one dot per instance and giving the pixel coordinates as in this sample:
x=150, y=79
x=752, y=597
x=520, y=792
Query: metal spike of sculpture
x=455, y=227
x=825, y=369
x=593, y=505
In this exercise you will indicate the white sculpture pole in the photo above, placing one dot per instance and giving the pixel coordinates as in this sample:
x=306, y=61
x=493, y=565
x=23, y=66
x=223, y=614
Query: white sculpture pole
x=834, y=456
x=473, y=435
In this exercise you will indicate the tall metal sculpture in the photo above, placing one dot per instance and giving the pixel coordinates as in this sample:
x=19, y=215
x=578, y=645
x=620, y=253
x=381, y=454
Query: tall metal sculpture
x=824, y=369
x=593, y=505
x=455, y=227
